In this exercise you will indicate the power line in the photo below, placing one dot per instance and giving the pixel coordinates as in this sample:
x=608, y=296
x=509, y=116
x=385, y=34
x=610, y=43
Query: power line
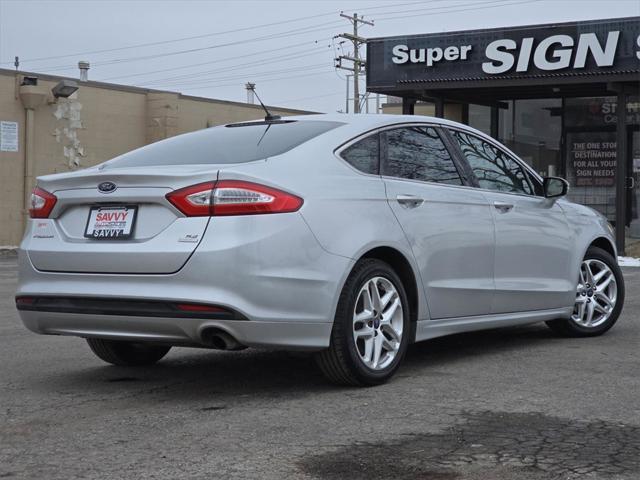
x=284, y=34
x=289, y=33
x=176, y=81
x=446, y=8
x=459, y=10
x=206, y=35
x=206, y=63
x=244, y=75
x=423, y=2
x=264, y=76
x=164, y=42
x=269, y=60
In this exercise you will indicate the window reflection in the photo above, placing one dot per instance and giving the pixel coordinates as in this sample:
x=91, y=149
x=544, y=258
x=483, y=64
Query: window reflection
x=491, y=166
x=364, y=154
x=418, y=153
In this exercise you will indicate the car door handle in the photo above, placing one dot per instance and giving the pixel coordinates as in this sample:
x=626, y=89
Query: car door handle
x=503, y=207
x=409, y=201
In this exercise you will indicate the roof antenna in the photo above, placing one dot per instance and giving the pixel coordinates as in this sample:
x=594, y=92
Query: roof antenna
x=268, y=117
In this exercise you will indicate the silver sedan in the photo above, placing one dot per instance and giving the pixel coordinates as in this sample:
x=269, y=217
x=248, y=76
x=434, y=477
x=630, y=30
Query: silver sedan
x=350, y=236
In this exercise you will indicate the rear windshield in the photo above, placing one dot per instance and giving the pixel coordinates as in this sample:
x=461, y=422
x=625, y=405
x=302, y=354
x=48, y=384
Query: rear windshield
x=226, y=144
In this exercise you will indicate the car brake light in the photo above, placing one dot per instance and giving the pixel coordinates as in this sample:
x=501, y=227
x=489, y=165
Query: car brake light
x=42, y=202
x=193, y=201
x=233, y=197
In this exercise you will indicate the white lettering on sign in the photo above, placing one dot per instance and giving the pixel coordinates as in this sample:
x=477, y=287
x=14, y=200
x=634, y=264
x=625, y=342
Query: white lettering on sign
x=430, y=56
x=525, y=54
x=496, y=51
x=562, y=56
x=400, y=54
x=8, y=136
x=552, y=53
x=588, y=42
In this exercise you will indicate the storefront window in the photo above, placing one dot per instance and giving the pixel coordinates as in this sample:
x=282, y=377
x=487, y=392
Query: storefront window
x=591, y=150
x=480, y=118
x=533, y=130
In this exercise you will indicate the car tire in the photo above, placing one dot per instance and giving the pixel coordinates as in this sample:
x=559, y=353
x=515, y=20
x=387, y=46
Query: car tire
x=127, y=354
x=574, y=327
x=344, y=361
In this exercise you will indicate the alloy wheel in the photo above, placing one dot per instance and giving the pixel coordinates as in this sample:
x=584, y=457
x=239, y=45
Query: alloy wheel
x=378, y=321
x=596, y=295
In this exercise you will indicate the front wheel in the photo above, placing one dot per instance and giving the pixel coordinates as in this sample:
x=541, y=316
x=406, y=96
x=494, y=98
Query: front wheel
x=371, y=329
x=599, y=297
x=127, y=353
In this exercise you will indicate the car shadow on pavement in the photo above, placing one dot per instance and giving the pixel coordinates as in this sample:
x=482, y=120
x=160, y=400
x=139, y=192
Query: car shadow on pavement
x=197, y=373
x=467, y=346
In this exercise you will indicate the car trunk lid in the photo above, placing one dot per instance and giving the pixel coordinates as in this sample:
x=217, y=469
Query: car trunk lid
x=160, y=239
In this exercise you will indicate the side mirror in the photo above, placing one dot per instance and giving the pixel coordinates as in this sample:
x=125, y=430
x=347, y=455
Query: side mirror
x=555, y=187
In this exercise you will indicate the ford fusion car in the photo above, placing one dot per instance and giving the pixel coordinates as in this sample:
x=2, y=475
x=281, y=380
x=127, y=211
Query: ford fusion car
x=350, y=236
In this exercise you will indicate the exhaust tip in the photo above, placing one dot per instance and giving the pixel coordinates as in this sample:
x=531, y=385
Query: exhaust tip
x=217, y=338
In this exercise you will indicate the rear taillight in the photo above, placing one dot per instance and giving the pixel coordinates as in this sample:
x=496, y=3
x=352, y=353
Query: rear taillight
x=42, y=202
x=193, y=201
x=232, y=197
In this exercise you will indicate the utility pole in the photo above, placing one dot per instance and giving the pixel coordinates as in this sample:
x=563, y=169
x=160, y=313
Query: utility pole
x=356, y=64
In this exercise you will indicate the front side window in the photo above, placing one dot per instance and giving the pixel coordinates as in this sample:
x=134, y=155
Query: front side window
x=418, y=153
x=364, y=155
x=493, y=168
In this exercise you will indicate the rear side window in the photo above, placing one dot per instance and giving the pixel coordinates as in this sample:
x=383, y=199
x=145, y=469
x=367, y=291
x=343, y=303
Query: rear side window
x=494, y=169
x=418, y=153
x=226, y=144
x=364, y=154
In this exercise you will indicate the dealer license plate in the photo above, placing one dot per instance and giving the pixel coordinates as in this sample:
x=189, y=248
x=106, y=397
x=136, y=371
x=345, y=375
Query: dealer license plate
x=113, y=222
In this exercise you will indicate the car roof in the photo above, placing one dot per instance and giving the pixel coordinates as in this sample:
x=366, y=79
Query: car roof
x=355, y=124
x=368, y=121
x=364, y=122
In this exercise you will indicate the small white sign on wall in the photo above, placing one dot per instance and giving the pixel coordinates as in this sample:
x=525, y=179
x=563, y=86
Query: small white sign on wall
x=8, y=136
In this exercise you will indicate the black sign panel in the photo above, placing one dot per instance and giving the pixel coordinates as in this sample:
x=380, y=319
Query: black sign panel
x=567, y=49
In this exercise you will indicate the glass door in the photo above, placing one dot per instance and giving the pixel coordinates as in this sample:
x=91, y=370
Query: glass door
x=633, y=204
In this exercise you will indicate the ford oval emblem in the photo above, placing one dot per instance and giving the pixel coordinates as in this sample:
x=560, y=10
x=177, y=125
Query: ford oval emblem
x=107, y=187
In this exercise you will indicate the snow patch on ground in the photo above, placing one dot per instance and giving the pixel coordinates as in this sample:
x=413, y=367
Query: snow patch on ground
x=628, y=262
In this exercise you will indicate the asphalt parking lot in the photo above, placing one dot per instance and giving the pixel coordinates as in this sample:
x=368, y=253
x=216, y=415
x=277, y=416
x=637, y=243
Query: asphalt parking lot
x=506, y=404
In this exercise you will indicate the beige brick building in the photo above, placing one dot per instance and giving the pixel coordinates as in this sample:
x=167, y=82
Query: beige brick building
x=41, y=134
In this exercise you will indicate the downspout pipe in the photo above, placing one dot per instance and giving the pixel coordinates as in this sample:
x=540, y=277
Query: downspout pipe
x=31, y=96
x=29, y=153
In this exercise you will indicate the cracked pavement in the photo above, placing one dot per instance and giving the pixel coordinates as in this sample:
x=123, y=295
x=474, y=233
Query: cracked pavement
x=517, y=404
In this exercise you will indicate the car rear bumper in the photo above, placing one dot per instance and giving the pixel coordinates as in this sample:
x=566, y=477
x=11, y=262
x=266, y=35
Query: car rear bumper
x=179, y=331
x=270, y=272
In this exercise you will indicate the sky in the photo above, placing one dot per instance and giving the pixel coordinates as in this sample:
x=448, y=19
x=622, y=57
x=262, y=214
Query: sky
x=211, y=48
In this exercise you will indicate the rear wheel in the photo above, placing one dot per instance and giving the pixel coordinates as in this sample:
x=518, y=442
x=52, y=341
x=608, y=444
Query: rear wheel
x=127, y=353
x=599, y=297
x=371, y=327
